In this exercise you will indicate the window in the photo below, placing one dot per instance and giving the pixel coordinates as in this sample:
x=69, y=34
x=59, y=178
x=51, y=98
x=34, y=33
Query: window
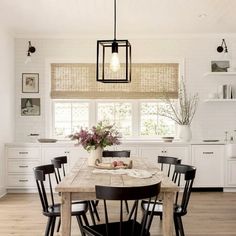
x=153, y=125
x=119, y=113
x=70, y=117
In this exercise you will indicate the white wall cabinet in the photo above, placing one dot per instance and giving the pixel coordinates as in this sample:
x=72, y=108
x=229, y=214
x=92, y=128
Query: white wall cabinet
x=209, y=161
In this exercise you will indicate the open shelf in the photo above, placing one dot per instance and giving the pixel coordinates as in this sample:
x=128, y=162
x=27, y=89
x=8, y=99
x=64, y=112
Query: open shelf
x=219, y=73
x=220, y=100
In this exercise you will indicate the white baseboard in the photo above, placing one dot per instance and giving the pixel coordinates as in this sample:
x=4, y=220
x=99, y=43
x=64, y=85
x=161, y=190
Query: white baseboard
x=3, y=191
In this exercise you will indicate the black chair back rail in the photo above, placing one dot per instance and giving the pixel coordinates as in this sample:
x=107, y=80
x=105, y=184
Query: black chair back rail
x=123, y=153
x=130, y=227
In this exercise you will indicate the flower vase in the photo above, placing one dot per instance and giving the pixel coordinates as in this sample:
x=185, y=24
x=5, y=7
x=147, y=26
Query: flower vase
x=185, y=134
x=94, y=155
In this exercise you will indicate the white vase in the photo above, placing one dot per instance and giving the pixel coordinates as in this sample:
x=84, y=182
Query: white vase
x=185, y=134
x=95, y=155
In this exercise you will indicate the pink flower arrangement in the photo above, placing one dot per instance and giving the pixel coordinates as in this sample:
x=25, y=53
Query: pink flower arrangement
x=97, y=136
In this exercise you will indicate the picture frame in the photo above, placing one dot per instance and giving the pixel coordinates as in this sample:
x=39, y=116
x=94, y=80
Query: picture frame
x=220, y=66
x=30, y=107
x=30, y=83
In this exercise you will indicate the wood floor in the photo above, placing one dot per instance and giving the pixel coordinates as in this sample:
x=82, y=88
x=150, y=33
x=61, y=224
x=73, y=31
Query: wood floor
x=209, y=214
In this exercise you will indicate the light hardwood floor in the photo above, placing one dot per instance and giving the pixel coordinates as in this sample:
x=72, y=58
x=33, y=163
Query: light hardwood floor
x=209, y=214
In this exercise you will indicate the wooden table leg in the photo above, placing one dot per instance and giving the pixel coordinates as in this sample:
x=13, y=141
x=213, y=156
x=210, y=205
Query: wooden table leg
x=66, y=214
x=167, y=221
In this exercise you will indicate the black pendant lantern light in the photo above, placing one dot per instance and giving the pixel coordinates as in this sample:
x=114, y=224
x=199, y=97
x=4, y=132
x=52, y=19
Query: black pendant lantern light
x=113, y=59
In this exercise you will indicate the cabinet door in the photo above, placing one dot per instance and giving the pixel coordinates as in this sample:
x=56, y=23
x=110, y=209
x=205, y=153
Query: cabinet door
x=182, y=153
x=151, y=154
x=231, y=173
x=51, y=152
x=209, y=160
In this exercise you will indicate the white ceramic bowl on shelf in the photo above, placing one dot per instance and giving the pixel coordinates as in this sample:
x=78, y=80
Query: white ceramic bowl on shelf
x=47, y=140
x=168, y=139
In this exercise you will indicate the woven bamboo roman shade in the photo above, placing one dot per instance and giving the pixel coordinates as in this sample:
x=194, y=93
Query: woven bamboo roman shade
x=149, y=81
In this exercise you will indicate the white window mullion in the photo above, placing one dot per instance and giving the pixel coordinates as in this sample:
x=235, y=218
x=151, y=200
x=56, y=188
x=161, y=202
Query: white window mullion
x=92, y=113
x=135, y=118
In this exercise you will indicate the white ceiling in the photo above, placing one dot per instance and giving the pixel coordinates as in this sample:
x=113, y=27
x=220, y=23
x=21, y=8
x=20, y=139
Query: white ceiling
x=85, y=18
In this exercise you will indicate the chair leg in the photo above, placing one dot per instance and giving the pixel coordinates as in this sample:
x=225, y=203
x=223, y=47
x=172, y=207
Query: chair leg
x=127, y=206
x=48, y=226
x=59, y=224
x=176, y=226
x=53, y=226
x=180, y=226
x=79, y=220
x=94, y=205
x=91, y=212
x=85, y=219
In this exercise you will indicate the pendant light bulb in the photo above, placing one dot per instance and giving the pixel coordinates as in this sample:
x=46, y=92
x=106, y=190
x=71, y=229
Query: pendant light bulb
x=115, y=62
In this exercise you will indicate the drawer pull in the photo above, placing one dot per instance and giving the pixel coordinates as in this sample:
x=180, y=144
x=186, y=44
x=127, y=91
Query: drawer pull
x=208, y=152
x=23, y=152
x=163, y=151
x=23, y=180
x=23, y=166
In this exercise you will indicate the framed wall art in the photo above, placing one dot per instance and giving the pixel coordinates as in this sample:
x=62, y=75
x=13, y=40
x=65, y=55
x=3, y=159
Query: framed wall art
x=30, y=106
x=30, y=83
x=220, y=66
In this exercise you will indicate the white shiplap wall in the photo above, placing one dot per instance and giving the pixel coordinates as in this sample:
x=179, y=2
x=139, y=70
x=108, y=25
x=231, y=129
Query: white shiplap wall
x=7, y=94
x=211, y=119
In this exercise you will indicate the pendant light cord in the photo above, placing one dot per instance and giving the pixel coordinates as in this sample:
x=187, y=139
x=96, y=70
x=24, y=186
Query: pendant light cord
x=114, y=19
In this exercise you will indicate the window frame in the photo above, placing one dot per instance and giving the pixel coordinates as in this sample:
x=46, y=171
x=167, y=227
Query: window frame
x=93, y=114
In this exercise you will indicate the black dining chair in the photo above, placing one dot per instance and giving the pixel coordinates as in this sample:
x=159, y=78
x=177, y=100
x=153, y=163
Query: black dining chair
x=181, y=203
x=60, y=172
x=113, y=154
x=131, y=226
x=44, y=177
x=167, y=163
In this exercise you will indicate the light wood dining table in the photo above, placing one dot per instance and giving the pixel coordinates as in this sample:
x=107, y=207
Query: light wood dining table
x=80, y=183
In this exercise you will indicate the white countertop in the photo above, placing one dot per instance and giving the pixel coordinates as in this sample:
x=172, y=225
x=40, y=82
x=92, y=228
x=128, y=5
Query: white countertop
x=69, y=143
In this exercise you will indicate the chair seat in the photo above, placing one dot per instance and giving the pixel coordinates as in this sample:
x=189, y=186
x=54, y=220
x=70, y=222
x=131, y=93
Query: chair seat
x=158, y=210
x=114, y=229
x=77, y=209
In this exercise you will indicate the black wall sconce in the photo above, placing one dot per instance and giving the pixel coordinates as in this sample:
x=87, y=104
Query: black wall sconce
x=31, y=49
x=222, y=47
x=113, y=59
